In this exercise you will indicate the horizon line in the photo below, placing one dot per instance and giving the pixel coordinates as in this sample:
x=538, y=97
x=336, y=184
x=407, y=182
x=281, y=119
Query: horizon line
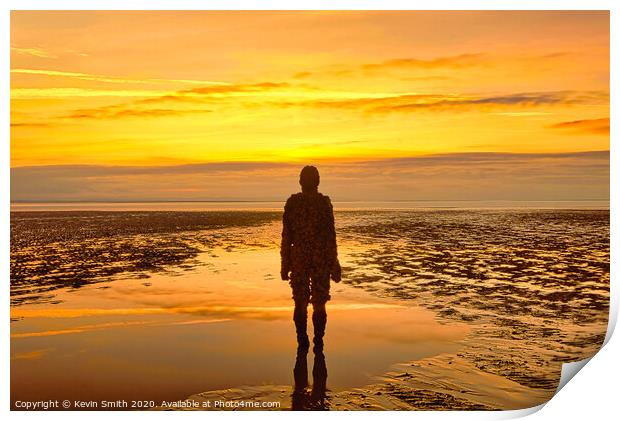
x=282, y=200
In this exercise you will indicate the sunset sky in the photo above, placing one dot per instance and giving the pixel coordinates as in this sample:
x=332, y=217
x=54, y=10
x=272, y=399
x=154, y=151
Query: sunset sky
x=206, y=105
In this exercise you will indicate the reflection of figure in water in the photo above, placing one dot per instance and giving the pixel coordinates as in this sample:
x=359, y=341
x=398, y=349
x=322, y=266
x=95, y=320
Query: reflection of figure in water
x=315, y=399
x=309, y=254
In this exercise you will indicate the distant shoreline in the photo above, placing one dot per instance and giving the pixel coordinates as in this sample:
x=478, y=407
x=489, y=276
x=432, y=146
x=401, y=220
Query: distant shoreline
x=395, y=205
x=274, y=201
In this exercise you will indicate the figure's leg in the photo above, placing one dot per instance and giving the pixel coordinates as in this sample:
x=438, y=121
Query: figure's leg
x=319, y=321
x=320, y=295
x=300, y=316
x=301, y=294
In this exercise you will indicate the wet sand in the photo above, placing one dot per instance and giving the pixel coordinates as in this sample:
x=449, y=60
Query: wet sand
x=438, y=309
x=51, y=250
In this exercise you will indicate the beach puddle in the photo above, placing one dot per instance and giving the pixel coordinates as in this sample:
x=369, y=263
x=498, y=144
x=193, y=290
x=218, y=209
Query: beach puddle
x=225, y=323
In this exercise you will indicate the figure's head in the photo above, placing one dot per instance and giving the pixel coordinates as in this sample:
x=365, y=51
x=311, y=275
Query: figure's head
x=309, y=178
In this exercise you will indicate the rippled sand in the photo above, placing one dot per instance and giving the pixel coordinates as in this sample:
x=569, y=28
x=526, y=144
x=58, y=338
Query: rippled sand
x=51, y=250
x=531, y=286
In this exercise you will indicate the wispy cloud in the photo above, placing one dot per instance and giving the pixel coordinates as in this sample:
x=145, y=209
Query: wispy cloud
x=268, y=93
x=522, y=113
x=35, y=52
x=34, y=93
x=285, y=95
x=120, y=111
x=592, y=126
x=110, y=79
x=31, y=124
x=223, y=91
x=278, y=94
x=407, y=65
x=463, y=60
x=412, y=103
x=215, y=90
x=31, y=355
x=204, y=94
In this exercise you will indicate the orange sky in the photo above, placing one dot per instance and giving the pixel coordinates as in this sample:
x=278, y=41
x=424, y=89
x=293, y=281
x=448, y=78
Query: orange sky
x=276, y=89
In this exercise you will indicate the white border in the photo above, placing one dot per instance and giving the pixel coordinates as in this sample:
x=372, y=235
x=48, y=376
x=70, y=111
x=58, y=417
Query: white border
x=593, y=394
x=310, y=5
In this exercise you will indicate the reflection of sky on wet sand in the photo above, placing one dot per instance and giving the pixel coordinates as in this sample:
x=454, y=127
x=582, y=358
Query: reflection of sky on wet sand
x=228, y=323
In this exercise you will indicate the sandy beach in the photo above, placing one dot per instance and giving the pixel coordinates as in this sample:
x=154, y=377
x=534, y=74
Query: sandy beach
x=438, y=308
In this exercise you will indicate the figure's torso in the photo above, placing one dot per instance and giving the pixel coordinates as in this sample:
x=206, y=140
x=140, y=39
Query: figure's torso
x=310, y=218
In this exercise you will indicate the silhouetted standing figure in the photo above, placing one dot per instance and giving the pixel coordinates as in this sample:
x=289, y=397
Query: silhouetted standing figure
x=309, y=255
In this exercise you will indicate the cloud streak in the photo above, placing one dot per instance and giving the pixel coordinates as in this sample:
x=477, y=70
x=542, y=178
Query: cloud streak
x=412, y=103
x=42, y=93
x=35, y=52
x=453, y=62
x=110, y=79
x=413, y=64
x=284, y=95
x=31, y=125
x=116, y=111
x=409, y=63
x=592, y=126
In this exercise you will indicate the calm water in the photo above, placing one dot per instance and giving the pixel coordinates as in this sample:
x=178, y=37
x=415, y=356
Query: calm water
x=141, y=304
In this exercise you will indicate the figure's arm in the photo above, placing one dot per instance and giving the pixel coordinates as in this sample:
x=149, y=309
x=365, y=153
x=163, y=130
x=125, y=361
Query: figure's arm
x=332, y=247
x=285, y=246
